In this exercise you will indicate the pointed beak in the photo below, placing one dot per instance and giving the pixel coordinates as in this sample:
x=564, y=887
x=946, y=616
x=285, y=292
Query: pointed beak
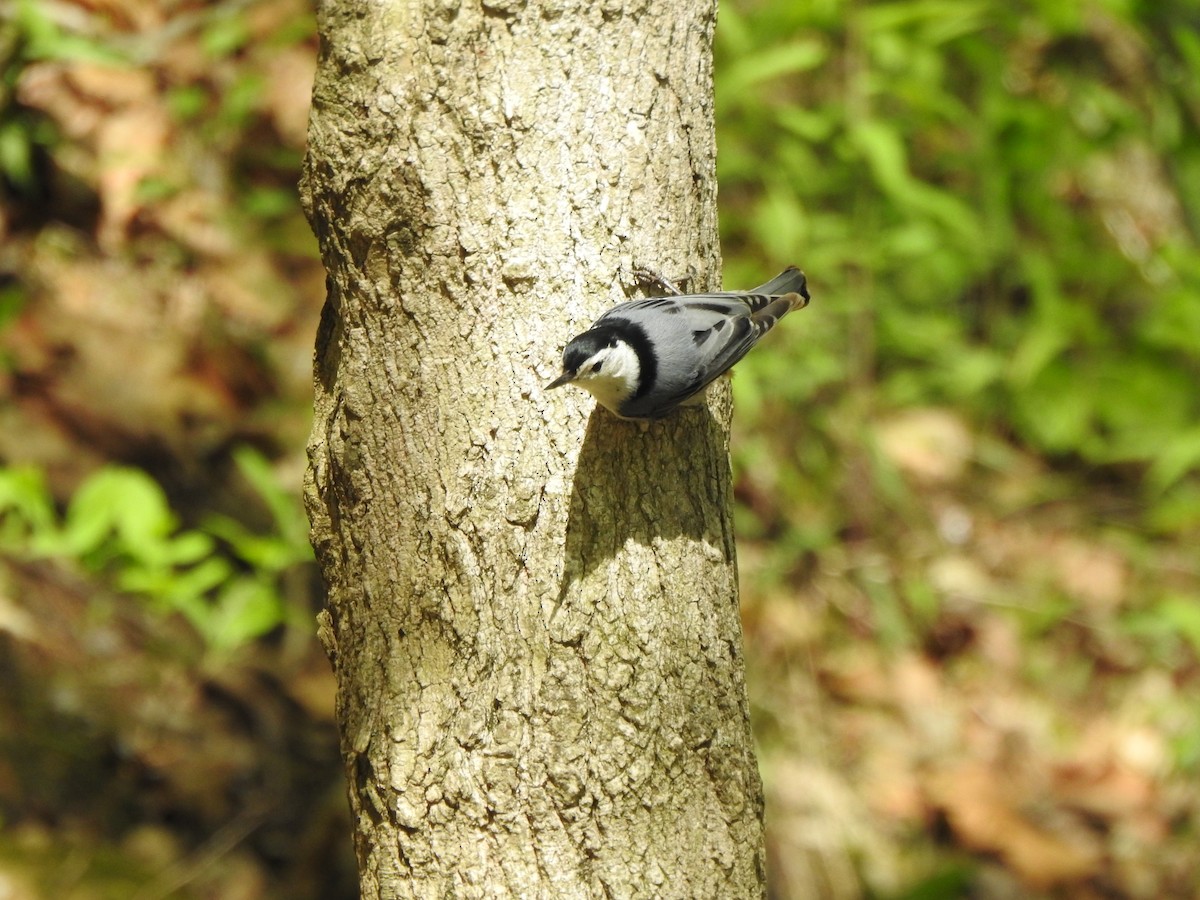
x=564, y=378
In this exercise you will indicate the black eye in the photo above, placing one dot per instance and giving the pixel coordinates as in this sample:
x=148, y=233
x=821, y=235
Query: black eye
x=596, y=367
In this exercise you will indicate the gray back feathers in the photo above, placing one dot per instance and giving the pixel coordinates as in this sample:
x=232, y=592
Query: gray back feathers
x=699, y=337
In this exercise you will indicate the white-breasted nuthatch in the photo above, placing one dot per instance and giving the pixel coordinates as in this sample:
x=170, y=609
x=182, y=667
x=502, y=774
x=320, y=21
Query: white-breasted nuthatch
x=645, y=358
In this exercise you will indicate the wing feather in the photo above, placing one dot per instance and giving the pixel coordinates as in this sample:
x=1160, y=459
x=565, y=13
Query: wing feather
x=712, y=331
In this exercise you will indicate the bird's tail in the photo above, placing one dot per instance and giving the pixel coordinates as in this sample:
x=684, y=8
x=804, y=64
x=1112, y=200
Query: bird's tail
x=772, y=301
x=790, y=281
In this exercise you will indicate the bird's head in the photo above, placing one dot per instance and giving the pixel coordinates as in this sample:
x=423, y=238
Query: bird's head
x=601, y=362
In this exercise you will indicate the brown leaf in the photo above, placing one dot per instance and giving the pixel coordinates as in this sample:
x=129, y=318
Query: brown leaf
x=980, y=805
x=194, y=217
x=1115, y=774
x=1102, y=788
x=111, y=86
x=931, y=445
x=1093, y=574
x=45, y=87
x=288, y=93
x=119, y=124
x=856, y=677
x=131, y=145
x=129, y=15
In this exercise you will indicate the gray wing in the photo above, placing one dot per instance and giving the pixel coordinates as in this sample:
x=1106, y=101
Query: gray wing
x=712, y=331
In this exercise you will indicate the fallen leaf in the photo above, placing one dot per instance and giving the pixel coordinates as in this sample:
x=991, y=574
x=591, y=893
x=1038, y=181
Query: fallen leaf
x=131, y=145
x=931, y=445
x=960, y=578
x=288, y=95
x=1102, y=788
x=980, y=804
x=1095, y=575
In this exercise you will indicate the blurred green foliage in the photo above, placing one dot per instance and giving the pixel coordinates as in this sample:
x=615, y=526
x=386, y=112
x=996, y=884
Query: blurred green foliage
x=227, y=581
x=997, y=206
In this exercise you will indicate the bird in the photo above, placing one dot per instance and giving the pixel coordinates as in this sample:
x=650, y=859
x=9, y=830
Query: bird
x=645, y=358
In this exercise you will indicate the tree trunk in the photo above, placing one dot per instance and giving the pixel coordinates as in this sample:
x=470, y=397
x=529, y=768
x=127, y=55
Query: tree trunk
x=532, y=605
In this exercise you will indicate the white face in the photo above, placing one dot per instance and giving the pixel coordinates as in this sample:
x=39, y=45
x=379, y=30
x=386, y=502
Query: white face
x=610, y=375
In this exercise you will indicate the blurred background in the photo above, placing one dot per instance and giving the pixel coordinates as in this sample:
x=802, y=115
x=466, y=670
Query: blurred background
x=968, y=477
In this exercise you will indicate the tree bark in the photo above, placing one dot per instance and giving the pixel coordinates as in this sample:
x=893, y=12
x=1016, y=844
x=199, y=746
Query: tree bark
x=532, y=604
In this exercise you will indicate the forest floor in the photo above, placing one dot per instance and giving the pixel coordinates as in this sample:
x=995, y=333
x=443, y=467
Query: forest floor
x=985, y=688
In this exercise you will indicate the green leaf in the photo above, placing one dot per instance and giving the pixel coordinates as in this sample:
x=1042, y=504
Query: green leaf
x=1179, y=455
x=240, y=100
x=16, y=153
x=1055, y=410
x=126, y=504
x=176, y=588
x=27, y=516
x=190, y=547
x=290, y=520
x=1182, y=615
x=883, y=150
x=787, y=58
x=812, y=126
x=187, y=102
x=12, y=300
x=245, y=609
x=1040, y=345
x=270, y=203
x=44, y=39
x=225, y=34
x=270, y=553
